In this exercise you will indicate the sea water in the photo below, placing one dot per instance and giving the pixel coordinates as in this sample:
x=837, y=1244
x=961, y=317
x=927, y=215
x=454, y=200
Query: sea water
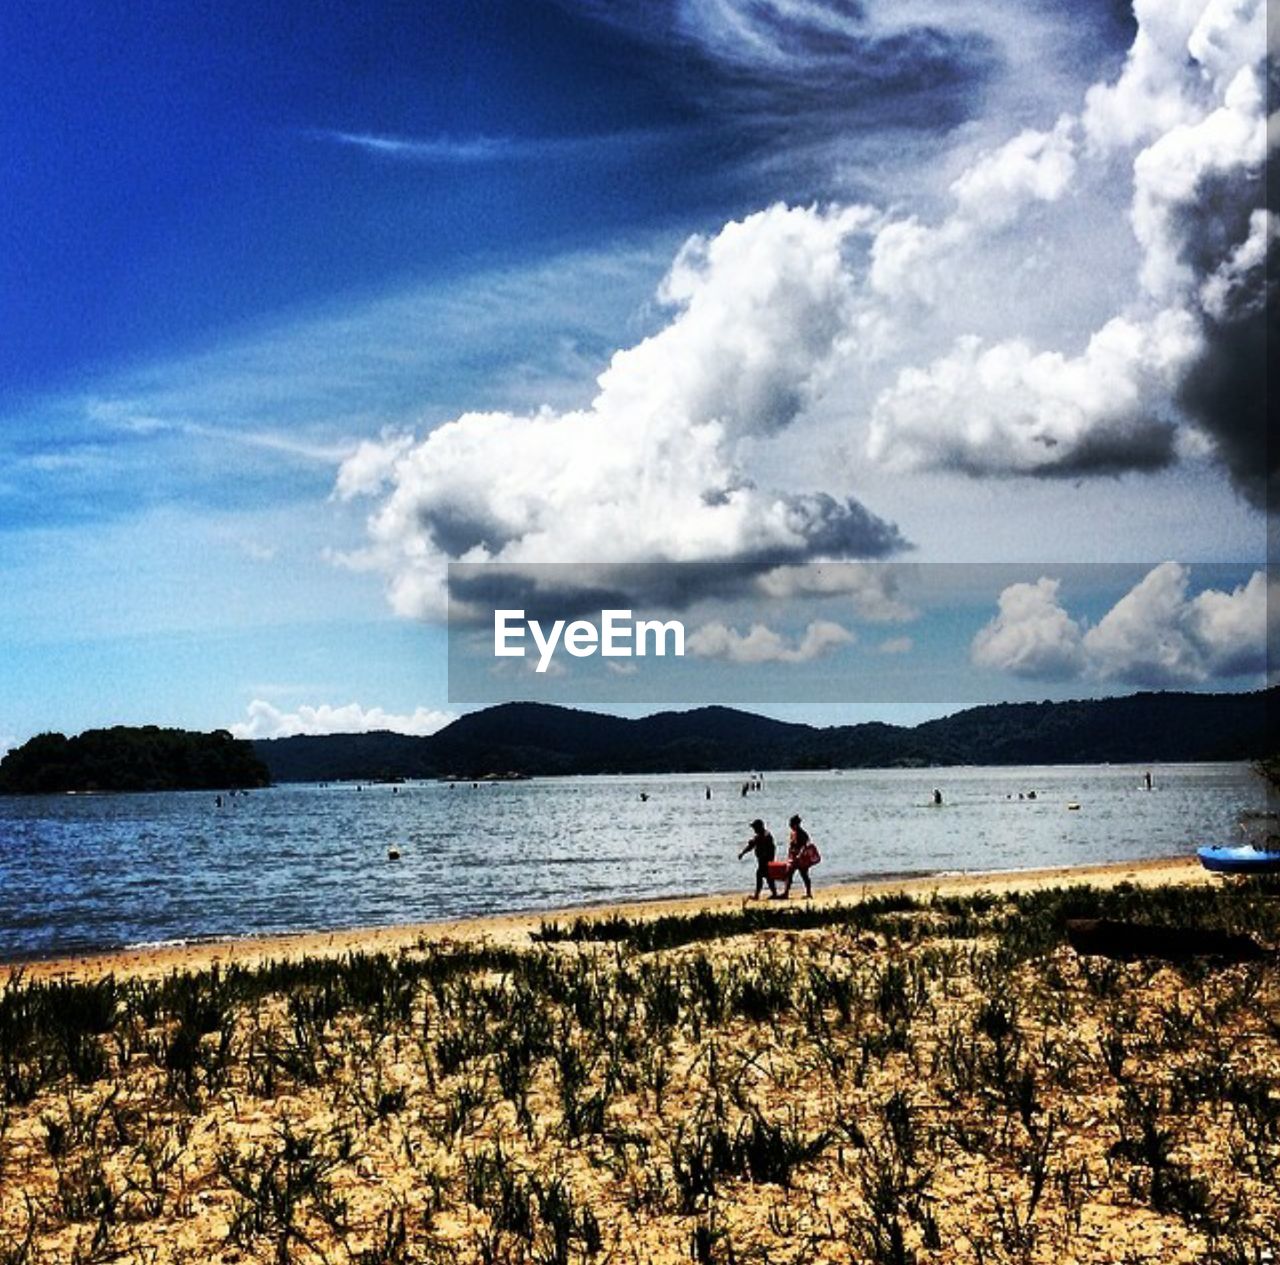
x=84, y=872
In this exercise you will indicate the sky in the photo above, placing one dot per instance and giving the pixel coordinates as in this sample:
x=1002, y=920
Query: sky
x=300, y=304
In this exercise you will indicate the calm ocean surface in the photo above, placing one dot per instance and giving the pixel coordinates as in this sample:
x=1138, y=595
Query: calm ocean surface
x=100, y=871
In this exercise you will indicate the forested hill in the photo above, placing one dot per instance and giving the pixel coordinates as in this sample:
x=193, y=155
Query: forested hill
x=535, y=738
x=131, y=759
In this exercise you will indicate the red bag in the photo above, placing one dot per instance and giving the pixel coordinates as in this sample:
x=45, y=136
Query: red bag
x=809, y=856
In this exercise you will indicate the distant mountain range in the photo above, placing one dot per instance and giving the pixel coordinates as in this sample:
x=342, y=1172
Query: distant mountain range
x=539, y=739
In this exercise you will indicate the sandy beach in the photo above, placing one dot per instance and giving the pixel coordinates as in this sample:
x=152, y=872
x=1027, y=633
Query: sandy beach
x=513, y=929
x=911, y=1071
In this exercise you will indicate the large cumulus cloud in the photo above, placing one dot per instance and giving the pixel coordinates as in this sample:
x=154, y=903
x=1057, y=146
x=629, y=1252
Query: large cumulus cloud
x=1186, y=121
x=651, y=471
x=670, y=461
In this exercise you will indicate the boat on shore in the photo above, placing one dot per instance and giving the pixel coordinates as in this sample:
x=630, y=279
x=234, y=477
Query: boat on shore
x=1242, y=859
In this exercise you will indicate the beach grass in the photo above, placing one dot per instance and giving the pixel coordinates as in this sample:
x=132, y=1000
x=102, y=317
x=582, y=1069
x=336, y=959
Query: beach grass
x=902, y=1078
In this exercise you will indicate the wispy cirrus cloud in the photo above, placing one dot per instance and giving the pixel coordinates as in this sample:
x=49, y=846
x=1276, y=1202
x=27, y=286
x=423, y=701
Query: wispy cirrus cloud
x=446, y=150
x=818, y=78
x=269, y=441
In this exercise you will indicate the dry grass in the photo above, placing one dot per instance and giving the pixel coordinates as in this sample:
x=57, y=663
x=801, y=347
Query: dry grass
x=889, y=1081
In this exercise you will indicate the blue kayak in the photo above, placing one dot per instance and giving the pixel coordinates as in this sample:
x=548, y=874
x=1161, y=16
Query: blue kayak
x=1241, y=860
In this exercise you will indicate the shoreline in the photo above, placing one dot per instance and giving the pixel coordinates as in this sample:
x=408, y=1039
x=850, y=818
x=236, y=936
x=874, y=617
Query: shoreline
x=514, y=928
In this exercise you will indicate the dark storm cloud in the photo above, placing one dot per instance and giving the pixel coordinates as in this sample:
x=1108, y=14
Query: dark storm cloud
x=1225, y=388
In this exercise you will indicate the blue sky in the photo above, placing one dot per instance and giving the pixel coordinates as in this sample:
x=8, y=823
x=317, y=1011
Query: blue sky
x=238, y=242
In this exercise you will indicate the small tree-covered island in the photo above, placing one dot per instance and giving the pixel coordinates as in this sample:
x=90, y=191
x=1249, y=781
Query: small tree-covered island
x=125, y=758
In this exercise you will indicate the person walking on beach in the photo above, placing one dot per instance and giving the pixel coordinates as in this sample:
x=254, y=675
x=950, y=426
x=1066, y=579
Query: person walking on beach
x=801, y=855
x=761, y=843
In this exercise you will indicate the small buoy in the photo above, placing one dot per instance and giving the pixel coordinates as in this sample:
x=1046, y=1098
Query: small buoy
x=393, y=854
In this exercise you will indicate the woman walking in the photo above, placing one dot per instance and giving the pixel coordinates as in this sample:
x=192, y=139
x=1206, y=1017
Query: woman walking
x=801, y=857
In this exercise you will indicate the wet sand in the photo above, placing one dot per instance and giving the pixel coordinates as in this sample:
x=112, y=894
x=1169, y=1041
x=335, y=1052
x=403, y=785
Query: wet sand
x=515, y=929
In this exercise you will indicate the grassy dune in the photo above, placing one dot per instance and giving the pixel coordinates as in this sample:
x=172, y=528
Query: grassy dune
x=900, y=1078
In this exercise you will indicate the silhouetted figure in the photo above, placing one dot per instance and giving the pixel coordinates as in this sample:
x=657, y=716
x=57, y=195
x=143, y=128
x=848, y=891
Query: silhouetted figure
x=761, y=843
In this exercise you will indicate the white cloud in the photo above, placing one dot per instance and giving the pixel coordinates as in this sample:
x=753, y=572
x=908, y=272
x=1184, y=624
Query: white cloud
x=267, y=721
x=762, y=645
x=1156, y=636
x=1188, y=112
x=664, y=463
x=896, y=645
x=650, y=471
x=257, y=551
x=1144, y=638
x=1007, y=409
x=1236, y=630
x=1184, y=52
x=1170, y=177
x=871, y=588
x=1147, y=98
x=905, y=258
x=372, y=466
x=1035, y=166
x=1031, y=636
x=761, y=308
x=914, y=261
